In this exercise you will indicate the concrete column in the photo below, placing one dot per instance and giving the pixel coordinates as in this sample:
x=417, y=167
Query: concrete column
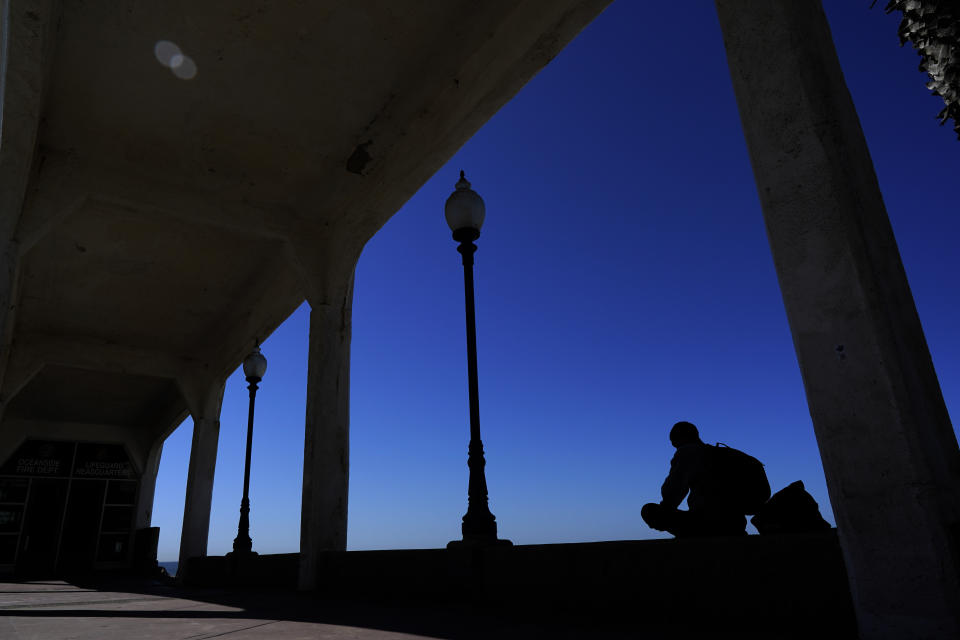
x=889, y=451
x=326, y=454
x=200, y=474
x=25, y=52
x=9, y=259
x=148, y=486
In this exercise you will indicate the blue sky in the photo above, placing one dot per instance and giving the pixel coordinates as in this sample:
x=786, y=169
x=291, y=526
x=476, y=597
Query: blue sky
x=624, y=282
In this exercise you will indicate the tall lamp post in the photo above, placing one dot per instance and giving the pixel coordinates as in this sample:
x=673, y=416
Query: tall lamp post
x=464, y=212
x=254, y=366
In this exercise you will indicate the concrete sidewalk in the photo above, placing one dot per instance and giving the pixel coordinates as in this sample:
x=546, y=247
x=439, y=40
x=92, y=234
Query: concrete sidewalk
x=145, y=609
x=54, y=609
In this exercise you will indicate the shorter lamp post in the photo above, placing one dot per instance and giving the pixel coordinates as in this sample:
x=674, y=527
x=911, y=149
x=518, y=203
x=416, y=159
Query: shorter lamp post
x=254, y=366
x=465, y=211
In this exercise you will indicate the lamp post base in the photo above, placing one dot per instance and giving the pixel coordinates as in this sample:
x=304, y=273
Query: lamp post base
x=478, y=542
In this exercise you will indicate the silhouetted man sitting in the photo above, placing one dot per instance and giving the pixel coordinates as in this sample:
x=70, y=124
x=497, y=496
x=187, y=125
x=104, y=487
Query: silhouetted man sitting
x=710, y=512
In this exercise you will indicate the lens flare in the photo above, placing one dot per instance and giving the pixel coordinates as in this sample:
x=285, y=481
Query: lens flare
x=186, y=69
x=166, y=52
x=169, y=55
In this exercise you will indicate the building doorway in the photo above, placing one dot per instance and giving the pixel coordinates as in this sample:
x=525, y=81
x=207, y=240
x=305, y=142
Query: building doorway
x=66, y=508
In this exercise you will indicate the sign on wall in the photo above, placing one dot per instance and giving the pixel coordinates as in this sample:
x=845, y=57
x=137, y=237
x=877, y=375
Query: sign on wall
x=40, y=458
x=102, y=461
x=51, y=458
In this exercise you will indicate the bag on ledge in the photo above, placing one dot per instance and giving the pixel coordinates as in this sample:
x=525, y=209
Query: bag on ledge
x=790, y=510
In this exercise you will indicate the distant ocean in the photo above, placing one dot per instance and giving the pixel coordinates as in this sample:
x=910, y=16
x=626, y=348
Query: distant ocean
x=171, y=567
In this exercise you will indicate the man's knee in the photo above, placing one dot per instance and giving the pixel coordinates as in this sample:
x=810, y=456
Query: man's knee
x=653, y=514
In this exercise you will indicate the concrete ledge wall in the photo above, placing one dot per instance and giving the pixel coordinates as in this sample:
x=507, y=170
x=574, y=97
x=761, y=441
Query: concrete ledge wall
x=277, y=571
x=751, y=579
x=798, y=580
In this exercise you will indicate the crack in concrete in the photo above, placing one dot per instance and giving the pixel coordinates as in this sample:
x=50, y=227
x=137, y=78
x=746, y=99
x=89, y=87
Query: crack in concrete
x=226, y=633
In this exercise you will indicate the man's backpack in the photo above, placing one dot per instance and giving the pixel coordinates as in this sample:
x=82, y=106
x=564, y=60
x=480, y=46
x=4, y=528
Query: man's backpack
x=740, y=478
x=790, y=510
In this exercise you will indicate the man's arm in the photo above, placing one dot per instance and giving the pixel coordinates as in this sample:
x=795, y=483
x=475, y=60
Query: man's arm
x=677, y=484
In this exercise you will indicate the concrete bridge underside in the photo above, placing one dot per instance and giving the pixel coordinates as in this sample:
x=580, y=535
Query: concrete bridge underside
x=159, y=213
